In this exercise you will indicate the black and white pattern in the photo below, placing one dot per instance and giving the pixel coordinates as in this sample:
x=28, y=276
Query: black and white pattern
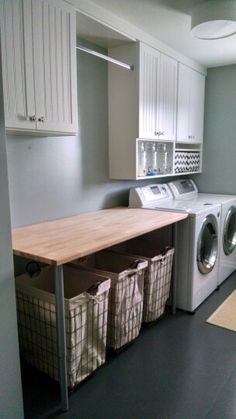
x=187, y=161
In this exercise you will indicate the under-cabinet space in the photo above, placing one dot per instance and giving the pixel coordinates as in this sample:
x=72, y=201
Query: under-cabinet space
x=154, y=158
x=188, y=159
x=38, y=40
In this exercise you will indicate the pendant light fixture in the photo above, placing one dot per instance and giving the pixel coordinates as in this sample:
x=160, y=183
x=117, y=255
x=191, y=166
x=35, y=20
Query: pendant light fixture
x=214, y=19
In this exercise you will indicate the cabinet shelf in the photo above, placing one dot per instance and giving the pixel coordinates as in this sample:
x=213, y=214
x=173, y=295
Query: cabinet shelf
x=187, y=173
x=186, y=149
x=154, y=177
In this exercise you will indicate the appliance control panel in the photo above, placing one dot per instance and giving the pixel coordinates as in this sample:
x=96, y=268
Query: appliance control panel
x=146, y=196
x=183, y=188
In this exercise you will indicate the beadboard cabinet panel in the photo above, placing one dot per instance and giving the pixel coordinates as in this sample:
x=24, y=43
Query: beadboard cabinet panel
x=148, y=91
x=28, y=58
x=191, y=91
x=39, y=63
x=183, y=104
x=197, y=105
x=168, y=97
x=54, y=26
x=18, y=85
x=158, y=89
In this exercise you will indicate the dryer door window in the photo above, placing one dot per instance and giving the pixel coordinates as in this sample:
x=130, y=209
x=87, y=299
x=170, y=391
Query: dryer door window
x=229, y=231
x=207, y=245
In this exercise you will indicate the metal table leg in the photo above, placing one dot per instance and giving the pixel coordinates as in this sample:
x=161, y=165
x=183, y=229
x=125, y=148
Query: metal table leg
x=61, y=335
x=174, y=227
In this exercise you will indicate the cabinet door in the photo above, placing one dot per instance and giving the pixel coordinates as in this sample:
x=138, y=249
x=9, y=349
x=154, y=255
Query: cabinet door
x=197, y=97
x=183, y=104
x=148, y=91
x=166, y=112
x=54, y=33
x=190, y=114
x=16, y=45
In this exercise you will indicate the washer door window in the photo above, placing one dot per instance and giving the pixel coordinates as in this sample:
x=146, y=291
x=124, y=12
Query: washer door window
x=207, y=245
x=229, y=231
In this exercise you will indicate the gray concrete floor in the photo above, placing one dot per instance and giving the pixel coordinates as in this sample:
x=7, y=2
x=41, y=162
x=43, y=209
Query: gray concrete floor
x=179, y=368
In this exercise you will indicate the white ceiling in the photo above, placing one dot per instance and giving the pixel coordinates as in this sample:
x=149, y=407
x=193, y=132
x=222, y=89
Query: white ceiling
x=169, y=21
x=98, y=34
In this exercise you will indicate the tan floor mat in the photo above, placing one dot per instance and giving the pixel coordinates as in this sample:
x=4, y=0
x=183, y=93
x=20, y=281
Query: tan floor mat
x=225, y=314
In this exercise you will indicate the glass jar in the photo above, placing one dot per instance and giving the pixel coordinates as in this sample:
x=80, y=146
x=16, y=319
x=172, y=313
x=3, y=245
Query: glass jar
x=142, y=163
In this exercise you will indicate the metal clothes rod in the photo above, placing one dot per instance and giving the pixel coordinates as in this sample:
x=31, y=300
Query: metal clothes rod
x=105, y=57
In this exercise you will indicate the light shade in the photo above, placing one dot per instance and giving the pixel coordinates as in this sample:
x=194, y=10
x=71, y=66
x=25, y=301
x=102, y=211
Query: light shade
x=214, y=19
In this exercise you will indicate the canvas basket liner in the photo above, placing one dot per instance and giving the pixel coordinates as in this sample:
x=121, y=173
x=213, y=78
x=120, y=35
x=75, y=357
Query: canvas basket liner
x=157, y=279
x=126, y=294
x=86, y=309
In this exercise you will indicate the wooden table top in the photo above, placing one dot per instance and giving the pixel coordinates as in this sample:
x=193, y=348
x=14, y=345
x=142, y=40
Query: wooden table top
x=60, y=241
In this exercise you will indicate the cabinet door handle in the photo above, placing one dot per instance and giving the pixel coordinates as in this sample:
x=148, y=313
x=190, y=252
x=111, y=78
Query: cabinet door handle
x=41, y=119
x=159, y=133
x=31, y=118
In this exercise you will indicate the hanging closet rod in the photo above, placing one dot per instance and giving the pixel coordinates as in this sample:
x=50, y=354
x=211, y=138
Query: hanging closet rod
x=105, y=57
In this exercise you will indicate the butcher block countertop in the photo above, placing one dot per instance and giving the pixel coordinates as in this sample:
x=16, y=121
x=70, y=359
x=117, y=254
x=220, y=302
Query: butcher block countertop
x=60, y=241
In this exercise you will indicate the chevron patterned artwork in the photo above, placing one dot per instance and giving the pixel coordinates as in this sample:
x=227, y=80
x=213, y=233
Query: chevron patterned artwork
x=187, y=161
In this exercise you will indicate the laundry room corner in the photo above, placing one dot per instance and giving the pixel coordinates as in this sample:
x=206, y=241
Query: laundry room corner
x=218, y=174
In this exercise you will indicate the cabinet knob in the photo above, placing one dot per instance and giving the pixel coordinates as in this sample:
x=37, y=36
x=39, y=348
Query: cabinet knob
x=31, y=118
x=159, y=133
x=191, y=137
x=41, y=119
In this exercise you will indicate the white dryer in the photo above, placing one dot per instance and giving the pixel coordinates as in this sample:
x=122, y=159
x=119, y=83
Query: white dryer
x=196, y=242
x=227, y=263
x=227, y=246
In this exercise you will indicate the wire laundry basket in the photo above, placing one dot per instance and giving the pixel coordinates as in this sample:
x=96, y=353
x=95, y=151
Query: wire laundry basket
x=126, y=293
x=157, y=279
x=86, y=309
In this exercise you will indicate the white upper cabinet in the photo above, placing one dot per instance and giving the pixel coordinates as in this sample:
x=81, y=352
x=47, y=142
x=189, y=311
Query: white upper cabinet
x=17, y=66
x=153, y=103
x=142, y=105
x=157, y=95
x=148, y=91
x=191, y=93
x=168, y=98
x=39, y=66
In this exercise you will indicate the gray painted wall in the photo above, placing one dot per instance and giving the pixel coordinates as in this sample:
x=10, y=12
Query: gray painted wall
x=11, y=406
x=57, y=177
x=219, y=163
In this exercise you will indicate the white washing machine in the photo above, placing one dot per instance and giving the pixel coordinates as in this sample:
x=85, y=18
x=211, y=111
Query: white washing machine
x=227, y=246
x=196, y=242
